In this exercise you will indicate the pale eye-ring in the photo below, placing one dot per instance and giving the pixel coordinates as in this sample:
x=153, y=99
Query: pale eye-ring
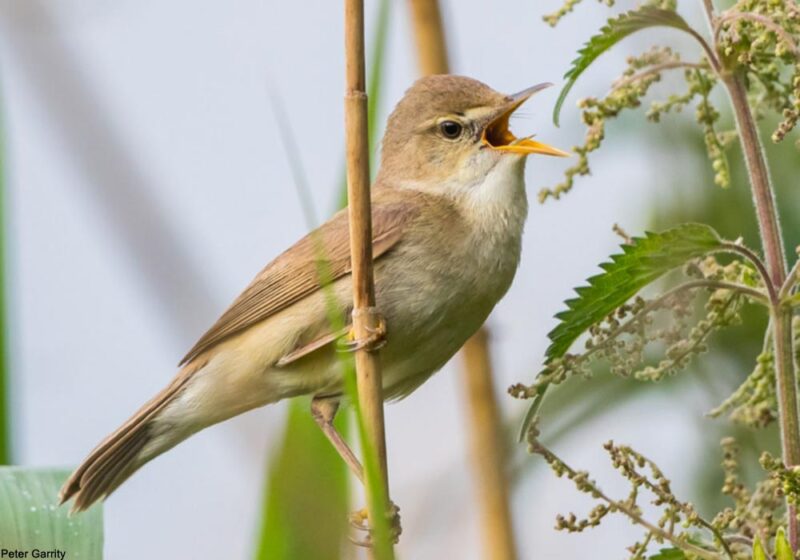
x=451, y=129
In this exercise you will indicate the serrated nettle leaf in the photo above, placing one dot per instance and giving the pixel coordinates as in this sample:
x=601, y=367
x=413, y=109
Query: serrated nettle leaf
x=30, y=517
x=613, y=32
x=641, y=262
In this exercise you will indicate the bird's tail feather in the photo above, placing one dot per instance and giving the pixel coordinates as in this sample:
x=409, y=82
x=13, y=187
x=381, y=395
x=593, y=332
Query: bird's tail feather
x=119, y=455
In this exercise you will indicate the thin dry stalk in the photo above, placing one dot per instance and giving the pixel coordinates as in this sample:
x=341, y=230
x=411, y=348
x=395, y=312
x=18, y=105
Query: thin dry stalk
x=488, y=450
x=365, y=317
x=489, y=455
x=429, y=34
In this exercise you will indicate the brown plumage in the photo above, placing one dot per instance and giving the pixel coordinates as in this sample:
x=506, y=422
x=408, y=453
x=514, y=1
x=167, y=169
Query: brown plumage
x=111, y=462
x=448, y=212
x=295, y=273
x=290, y=277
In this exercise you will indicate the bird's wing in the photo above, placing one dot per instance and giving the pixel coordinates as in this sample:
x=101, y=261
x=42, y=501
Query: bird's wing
x=295, y=274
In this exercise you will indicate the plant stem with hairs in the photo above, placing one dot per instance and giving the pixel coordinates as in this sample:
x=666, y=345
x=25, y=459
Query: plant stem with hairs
x=772, y=242
x=365, y=315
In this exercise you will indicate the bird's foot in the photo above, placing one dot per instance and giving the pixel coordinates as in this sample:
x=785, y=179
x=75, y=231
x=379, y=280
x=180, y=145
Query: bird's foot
x=360, y=520
x=376, y=334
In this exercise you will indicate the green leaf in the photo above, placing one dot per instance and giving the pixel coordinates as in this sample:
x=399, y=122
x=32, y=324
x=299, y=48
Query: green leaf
x=30, y=517
x=758, y=550
x=782, y=549
x=642, y=261
x=669, y=554
x=5, y=407
x=306, y=499
x=613, y=32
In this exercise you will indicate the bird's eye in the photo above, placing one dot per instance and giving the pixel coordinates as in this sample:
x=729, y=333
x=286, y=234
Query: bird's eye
x=451, y=129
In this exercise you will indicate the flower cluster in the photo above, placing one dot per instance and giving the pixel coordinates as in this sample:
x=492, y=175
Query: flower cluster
x=626, y=93
x=753, y=52
x=754, y=403
x=678, y=524
x=628, y=339
x=762, y=38
x=754, y=513
x=758, y=38
x=731, y=534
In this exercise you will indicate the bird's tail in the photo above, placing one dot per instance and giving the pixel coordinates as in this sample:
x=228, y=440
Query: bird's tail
x=122, y=453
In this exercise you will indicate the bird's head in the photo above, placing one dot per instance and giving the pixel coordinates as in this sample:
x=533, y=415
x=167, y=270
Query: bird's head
x=454, y=130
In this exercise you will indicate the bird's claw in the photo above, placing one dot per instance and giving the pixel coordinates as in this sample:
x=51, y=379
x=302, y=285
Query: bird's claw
x=359, y=520
x=375, y=339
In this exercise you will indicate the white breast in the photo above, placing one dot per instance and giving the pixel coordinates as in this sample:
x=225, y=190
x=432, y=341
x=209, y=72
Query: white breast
x=496, y=208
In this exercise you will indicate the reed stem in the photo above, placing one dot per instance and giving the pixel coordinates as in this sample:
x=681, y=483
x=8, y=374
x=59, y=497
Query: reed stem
x=365, y=316
x=489, y=451
x=426, y=18
x=489, y=455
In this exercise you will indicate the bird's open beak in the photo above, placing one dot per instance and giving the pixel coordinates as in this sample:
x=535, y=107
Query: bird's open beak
x=498, y=137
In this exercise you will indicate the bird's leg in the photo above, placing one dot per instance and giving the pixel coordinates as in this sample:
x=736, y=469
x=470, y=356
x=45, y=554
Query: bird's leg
x=377, y=334
x=323, y=411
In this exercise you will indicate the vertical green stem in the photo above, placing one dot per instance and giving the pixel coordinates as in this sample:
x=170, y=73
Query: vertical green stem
x=769, y=227
x=5, y=409
x=787, y=406
x=772, y=242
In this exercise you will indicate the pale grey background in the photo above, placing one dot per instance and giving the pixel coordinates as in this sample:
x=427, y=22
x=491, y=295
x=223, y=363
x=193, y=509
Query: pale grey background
x=147, y=186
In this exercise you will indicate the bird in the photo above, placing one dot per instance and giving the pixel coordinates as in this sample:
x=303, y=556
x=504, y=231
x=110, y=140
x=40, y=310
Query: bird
x=448, y=212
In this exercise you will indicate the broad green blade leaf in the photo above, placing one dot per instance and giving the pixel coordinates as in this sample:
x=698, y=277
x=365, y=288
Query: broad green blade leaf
x=758, y=550
x=5, y=409
x=31, y=519
x=669, y=554
x=306, y=499
x=613, y=32
x=641, y=262
x=782, y=549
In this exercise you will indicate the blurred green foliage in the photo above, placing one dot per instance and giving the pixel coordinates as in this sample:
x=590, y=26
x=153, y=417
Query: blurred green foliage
x=306, y=498
x=687, y=193
x=5, y=409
